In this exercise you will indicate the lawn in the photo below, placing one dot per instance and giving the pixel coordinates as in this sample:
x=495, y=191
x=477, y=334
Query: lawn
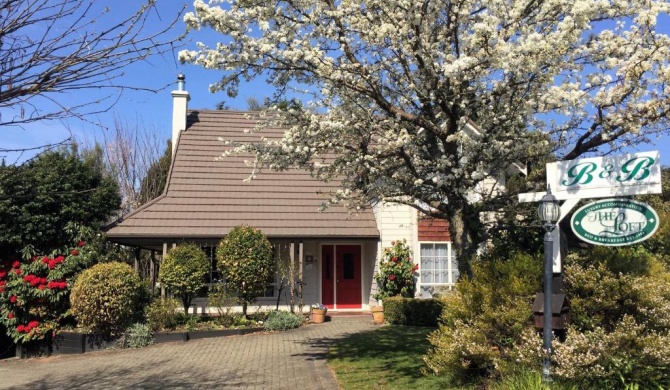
x=387, y=358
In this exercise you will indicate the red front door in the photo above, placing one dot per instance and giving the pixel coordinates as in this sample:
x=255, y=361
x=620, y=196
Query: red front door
x=348, y=276
x=341, y=276
x=328, y=276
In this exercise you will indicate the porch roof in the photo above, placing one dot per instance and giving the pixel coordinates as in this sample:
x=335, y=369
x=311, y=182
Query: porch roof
x=205, y=199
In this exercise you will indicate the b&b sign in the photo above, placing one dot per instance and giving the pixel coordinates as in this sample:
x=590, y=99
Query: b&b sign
x=599, y=177
x=614, y=222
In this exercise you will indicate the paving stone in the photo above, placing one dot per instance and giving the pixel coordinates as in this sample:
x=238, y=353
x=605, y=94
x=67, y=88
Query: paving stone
x=292, y=360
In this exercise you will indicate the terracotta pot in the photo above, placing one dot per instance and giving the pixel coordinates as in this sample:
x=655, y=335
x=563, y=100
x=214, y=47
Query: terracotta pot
x=319, y=315
x=377, y=314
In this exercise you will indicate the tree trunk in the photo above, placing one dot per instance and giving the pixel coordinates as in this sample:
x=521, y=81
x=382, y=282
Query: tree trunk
x=462, y=232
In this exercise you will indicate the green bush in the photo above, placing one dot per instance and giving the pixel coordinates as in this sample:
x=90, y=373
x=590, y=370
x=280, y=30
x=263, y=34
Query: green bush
x=620, y=331
x=396, y=272
x=282, y=320
x=139, y=335
x=183, y=272
x=106, y=297
x=484, y=319
x=412, y=311
x=162, y=314
x=246, y=261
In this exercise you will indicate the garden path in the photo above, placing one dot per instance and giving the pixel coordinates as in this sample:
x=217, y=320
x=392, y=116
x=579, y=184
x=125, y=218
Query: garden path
x=284, y=360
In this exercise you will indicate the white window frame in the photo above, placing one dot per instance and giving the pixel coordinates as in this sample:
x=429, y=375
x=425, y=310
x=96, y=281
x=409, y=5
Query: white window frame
x=450, y=266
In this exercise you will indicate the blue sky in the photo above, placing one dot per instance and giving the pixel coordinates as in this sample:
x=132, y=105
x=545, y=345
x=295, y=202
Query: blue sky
x=153, y=110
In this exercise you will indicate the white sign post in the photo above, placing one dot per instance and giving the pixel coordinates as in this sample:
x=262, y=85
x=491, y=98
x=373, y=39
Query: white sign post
x=598, y=177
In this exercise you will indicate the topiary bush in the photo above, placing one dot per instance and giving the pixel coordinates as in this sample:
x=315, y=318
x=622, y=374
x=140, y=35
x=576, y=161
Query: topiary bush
x=106, y=297
x=396, y=272
x=282, y=320
x=412, y=311
x=247, y=263
x=183, y=272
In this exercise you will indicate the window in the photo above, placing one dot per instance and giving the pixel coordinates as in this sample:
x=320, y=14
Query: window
x=438, y=267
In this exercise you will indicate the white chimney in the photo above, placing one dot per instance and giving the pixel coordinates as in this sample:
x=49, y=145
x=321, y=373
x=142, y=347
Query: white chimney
x=180, y=100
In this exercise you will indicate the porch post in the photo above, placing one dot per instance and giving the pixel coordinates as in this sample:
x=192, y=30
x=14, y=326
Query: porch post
x=300, y=260
x=291, y=275
x=137, y=261
x=152, y=270
x=165, y=245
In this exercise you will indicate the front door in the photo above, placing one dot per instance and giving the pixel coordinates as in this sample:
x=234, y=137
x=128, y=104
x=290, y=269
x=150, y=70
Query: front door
x=341, y=276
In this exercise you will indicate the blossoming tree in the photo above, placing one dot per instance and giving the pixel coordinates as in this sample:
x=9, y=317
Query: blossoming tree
x=391, y=84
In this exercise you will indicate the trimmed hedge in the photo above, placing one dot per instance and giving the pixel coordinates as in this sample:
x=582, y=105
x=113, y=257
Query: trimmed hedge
x=413, y=311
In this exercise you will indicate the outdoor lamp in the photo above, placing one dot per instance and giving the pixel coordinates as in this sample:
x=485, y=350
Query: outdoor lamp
x=549, y=213
x=549, y=210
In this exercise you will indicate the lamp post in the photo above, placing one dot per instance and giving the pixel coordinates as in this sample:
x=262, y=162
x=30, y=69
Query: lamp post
x=549, y=211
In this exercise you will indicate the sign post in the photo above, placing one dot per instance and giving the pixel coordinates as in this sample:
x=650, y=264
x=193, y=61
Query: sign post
x=607, y=222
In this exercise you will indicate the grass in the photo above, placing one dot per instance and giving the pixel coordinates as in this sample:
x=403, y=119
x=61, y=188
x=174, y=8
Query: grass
x=390, y=357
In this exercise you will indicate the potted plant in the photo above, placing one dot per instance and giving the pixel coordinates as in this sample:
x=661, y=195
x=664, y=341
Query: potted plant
x=395, y=276
x=318, y=312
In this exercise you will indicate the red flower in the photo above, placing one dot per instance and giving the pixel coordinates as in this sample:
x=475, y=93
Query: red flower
x=13, y=299
x=33, y=324
x=10, y=315
x=395, y=259
x=16, y=264
x=416, y=267
x=20, y=328
x=18, y=271
x=81, y=244
x=74, y=252
x=41, y=287
x=3, y=274
x=391, y=277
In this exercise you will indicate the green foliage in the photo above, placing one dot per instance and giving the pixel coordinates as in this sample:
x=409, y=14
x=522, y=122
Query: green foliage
x=35, y=293
x=153, y=184
x=222, y=301
x=246, y=262
x=183, y=272
x=396, y=272
x=106, y=297
x=139, y=335
x=162, y=314
x=39, y=198
x=484, y=319
x=524, y=379
x=620, y=333
x=412, y=311
x=283, y=320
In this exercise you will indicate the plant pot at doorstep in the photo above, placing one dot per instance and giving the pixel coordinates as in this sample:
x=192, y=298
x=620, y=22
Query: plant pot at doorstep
x=377, y=314
x=319, y=313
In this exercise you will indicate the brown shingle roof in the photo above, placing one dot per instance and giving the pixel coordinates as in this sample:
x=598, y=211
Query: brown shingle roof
x=206, y=198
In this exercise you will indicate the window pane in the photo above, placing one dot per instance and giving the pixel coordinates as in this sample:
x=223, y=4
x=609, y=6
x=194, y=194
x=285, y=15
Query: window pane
x=348, y=271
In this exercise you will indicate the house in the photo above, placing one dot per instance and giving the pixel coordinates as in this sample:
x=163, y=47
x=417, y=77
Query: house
x=336, y=252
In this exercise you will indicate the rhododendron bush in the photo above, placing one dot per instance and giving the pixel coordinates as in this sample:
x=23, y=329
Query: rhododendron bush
x=34, y=293
x=389, y=86
x=396, y=272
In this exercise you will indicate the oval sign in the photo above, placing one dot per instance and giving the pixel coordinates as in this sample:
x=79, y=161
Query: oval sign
x=614, y=222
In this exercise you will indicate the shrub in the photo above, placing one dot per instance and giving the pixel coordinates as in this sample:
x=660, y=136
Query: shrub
x=396, y=272
x=183, y=272
x=484, y=319
x=620, y=332
x=412, y=311
x=139, y=335
x=247, y=264
x=162, y=314
x=282, y=320
x=35, y=293
x=222, y=302
x=105, y=297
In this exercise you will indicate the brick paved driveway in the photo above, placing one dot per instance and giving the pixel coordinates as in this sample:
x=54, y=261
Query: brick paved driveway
x=284, y=360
